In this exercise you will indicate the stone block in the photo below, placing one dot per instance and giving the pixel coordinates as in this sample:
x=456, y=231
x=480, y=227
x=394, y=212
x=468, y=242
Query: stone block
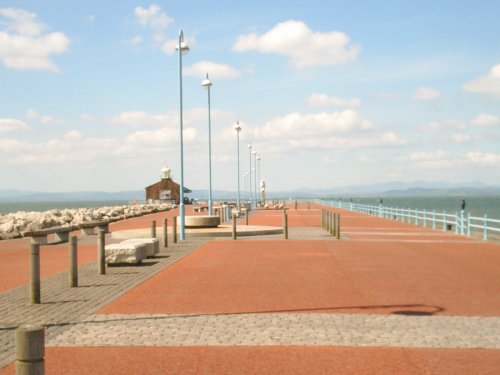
x=125, y=253
x=152, y=245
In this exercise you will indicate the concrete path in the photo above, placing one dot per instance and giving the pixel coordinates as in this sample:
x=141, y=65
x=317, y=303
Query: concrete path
x=387, y=298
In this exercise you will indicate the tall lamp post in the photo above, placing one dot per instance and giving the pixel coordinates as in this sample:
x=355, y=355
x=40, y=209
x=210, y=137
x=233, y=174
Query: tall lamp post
x=207, y=84
x=245, y=184
x=255, y=177
x=258, y=175
x=250, y=172
x=183, y=48
x=237, y=127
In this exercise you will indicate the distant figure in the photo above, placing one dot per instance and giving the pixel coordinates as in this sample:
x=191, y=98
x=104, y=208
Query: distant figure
x=381, y=201
x=263, y=191
x=463, y=204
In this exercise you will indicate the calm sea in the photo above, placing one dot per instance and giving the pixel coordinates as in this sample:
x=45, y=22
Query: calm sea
x=476, y=205
x=7, y=207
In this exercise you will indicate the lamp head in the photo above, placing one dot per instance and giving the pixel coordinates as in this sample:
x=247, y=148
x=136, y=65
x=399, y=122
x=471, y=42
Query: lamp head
x=237, y=126
x=206, y=82
x=183, y=45
x=250, y=146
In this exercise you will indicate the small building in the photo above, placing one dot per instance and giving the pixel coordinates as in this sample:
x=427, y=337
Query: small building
x=166, y=189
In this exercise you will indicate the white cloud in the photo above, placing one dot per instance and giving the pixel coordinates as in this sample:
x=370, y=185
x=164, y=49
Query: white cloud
x=141, y=118
x=483, y=159
x=90, y=18
x=461, y=138
x=426, y=93
x=23, y=45
x=430, y=127
x=485, y=120
x=488, y=84
x=152, y=17
x=31, y=114
x=214, y=70
x=136, y=40
x=87, y=117
x=317, y=100
x=11, y=125
x=305, y=47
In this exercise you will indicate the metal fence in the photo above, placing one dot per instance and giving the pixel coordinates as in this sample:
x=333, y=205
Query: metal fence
x=461, y=222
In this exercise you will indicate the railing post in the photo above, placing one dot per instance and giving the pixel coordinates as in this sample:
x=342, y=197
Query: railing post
x=35, y=273
x=153, y=228
x=416, y=217
x=425, y=218
x=444, y=220
x=433, y=219
x=468, y=225
x=165, y=232
x=174, y=229
x=456, y=222
x=73, y=262
x=30, y=350
x=101, y=256
x=485, y=227
x=462, y=222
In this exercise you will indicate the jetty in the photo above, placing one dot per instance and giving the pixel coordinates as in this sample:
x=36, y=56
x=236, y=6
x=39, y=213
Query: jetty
x=327, y=290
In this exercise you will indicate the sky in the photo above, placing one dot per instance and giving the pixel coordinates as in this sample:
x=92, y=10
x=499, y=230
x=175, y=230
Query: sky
x=328, y=93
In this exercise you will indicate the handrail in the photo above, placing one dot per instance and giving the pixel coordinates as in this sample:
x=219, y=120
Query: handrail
x=462, y=222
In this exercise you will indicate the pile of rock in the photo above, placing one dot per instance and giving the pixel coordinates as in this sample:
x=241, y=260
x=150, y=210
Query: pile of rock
x=14, y=225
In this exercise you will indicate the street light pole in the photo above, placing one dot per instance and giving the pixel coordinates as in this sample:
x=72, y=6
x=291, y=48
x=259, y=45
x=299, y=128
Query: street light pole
x=182, y=48
x=207, y=83
x=250, y=173
x=237, y=127
x=255, y=176
x=258, y=175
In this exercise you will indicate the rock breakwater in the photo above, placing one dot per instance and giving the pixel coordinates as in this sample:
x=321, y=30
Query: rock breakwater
x=14, y=225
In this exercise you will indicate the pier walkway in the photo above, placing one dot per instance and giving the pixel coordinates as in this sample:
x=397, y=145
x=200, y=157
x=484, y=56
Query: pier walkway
x=388, y=297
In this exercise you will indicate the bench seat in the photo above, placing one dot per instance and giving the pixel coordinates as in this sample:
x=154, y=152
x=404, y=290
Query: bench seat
x=152, y=245
x=125, y=253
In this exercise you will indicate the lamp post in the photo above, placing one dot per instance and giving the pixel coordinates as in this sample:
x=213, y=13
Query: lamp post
x=245, y=184
x=237, y=127
x=255, y=176
x=207, y=84
x=183, y=48
x=250, y=172
x=258, y=175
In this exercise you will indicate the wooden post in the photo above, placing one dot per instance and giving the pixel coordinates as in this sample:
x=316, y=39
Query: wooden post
x=101, y=256
x=73, y=262
x=234, y=227
x=165, y=232
x=295, y=204
x=174, y=229
x=285, y=225
x=30, y=350
x=153, y=228
x=35, y=273
x=247, y=211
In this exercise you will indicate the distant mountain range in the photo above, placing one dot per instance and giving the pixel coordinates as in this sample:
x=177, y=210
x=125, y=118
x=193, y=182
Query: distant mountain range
x=389, y=189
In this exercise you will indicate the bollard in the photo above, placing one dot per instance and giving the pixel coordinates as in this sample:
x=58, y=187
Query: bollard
x=101, y=256
x=35, y=273
x=174, y=229
x=334, y=225
x=30, y=350
x=308, y=205
x=73, y=262
x=153, y=228
x=165, y=232
x=234, y=227
x=247, y=211
x=337, y=230
x=285, y=225
x=295, y=204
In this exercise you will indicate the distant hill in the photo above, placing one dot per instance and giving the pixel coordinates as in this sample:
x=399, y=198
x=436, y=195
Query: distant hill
x=389, y=189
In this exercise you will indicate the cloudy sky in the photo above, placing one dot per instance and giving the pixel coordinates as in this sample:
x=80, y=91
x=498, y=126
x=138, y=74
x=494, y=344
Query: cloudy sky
x=329, y=93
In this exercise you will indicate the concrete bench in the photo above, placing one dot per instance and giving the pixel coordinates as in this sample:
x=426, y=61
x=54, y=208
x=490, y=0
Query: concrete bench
x=88, y=227
x=125, y=253
x=200, y=209
x=152, y=245
x=40, y=237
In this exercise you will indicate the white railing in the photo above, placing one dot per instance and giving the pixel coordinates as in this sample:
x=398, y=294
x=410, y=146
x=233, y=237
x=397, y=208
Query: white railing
x=463, y=223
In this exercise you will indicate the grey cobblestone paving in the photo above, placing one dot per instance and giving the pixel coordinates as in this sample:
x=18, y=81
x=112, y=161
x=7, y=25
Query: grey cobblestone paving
x=63, y=306
x=284, y=329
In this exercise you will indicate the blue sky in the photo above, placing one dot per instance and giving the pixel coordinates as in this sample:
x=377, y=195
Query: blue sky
x=329, y=93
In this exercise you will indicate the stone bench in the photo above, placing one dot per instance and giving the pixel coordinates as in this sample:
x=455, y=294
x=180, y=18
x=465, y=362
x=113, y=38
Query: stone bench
x=152, y=245
x=200, y=209
x=40, y=237
x=88, y=227
x=125, y=253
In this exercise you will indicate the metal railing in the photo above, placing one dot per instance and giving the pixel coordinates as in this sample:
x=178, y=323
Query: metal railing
x=461, y=222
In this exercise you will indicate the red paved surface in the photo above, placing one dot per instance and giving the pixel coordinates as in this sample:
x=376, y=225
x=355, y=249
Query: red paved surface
x=296, y=218
x=323, y=276
x=267, y=360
